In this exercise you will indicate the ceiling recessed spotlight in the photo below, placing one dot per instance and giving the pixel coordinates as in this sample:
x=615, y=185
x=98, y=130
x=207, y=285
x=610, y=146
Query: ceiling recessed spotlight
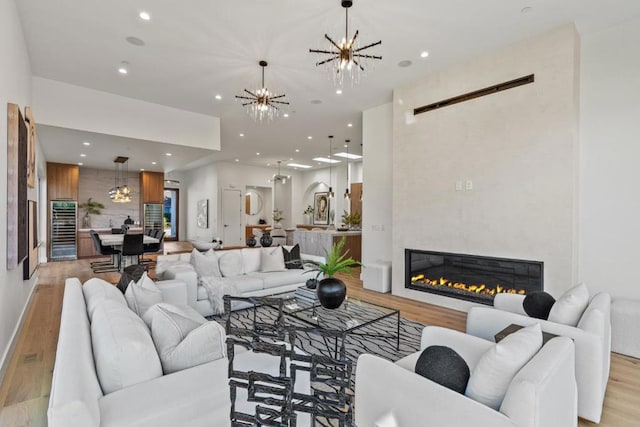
x=257, y=154
x=218, y=97
x=145, y=16
x=350, y=125
x=154, y=163
x=237, y=160
x=309, y=137
x=339, y=92
x=346, y=145
x=168, y=154
x=316, y=101
x=268, y=164
x=290, y=159
x=526, y=9
x=135, y=41
x=424, y=54
x=86, y=143
x=404, y=64
x=285, y=115
x=83, y=155
x=141, y=169
x=80, y=164
x=297, y=150
x=241, y=135
x=123, y=70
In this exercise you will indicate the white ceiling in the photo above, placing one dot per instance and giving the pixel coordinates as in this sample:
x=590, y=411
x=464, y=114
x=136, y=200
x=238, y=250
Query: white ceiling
x=199, y=48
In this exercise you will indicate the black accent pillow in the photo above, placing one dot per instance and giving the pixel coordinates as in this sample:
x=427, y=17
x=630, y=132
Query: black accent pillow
x=444, y=366
x=538, y=305
x=292, y=258
x=133, y=272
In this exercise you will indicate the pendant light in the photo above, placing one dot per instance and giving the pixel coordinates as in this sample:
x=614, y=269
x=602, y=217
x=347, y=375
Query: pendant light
x=330, y=150
x=347, y=194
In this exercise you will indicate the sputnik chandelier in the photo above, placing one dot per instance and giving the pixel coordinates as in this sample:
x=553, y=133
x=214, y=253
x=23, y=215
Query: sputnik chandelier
x=346, y=56
x=261, y=103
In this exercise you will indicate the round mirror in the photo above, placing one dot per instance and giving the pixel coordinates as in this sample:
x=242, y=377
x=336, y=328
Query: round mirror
x=252, y=202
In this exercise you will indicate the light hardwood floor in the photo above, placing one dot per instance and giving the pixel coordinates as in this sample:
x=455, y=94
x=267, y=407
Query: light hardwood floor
x=24, y=393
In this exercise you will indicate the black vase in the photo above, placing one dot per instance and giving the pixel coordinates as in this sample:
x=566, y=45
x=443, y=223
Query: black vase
x=251, y=241
x=331, y=292
x=266, y=240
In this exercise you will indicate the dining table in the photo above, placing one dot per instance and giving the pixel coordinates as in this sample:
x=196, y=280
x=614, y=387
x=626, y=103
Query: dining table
x=115, y=240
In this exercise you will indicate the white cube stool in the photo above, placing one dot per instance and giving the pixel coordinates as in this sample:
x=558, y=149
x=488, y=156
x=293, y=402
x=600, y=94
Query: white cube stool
x=377, y=276
x=625, y=335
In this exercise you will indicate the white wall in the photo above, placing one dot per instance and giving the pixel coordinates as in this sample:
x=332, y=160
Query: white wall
x=519, y=148
x=317, y=180
x=200, y=183
x=610, y=152
x=15, y=87
x=377, y=174
x=74, y=107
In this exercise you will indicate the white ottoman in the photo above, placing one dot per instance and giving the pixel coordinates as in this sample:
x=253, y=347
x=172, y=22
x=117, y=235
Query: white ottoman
x=377, y=276
x=625, y=335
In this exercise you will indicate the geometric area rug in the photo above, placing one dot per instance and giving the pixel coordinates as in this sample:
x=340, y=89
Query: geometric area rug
x=410, y=334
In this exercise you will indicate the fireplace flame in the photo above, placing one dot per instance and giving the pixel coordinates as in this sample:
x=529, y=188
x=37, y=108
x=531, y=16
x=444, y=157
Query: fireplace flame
x=477, y=289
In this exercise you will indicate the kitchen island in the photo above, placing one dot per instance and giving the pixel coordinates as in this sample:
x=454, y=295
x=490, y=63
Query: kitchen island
x=315, y=242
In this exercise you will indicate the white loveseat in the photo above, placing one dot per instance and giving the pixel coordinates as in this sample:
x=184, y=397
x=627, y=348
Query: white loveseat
x=252, y=282
x=592, y=338
x=197, y=396
x=542, y=394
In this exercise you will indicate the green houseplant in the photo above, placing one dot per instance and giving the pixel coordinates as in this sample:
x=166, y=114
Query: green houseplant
x=351, y=220
x=331, y=290
x=90, y=208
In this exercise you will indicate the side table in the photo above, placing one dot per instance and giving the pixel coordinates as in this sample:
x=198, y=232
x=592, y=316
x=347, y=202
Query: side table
x=513, y=328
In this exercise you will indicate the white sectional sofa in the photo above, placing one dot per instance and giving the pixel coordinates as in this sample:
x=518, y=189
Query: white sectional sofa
x=197, y=396
x=252, y=282
x=542, y=394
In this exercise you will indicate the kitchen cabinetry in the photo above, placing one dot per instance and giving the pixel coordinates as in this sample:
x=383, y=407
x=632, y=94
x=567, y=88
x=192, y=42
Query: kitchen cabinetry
x=151, y=187
x=62, y=181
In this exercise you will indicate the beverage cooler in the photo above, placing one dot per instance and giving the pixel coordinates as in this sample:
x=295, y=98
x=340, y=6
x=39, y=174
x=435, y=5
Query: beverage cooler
x=63, y=239
x=153, y=217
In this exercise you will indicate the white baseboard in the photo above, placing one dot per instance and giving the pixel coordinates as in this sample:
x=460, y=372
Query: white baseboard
x=4, y=361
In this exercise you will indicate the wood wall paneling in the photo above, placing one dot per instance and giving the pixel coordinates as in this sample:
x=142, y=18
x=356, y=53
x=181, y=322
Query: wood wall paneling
x=152, y=187
x=62, y=181
x=356, y=195
x=353, y=245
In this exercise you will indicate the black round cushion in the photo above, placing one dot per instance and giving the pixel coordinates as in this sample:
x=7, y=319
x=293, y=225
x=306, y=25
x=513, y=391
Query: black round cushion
x=538, y=305
x=444, y=366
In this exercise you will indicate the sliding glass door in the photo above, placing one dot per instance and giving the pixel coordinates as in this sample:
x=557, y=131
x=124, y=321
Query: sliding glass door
x=170, y=213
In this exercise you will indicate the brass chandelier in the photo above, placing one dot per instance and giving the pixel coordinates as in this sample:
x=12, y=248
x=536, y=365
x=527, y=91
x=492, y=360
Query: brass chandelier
x=261, y=103
x=346, y=56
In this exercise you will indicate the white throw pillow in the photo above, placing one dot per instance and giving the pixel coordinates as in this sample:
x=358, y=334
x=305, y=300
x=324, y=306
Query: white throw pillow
x=96, y=290
x=496, y=368
x=568, y=309
x=122, y=347
x=184, y=338
x=142, y=295
x=206, y=264
x=272, y=259
x=230, y=263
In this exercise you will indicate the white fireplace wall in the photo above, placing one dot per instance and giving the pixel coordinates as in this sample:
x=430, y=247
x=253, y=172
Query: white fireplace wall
x=518, y=150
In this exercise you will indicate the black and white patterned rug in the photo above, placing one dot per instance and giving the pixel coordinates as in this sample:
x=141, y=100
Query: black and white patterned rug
x=356, y=344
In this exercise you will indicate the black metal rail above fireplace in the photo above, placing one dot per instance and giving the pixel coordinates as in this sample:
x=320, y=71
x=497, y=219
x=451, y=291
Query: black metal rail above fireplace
x=470, y=277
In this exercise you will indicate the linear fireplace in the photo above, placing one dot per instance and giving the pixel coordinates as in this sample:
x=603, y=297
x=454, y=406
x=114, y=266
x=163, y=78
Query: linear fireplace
x=470, y=277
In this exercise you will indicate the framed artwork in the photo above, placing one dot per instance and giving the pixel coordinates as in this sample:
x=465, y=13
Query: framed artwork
x=321, y=208
x=17, y=135
x=203, y=213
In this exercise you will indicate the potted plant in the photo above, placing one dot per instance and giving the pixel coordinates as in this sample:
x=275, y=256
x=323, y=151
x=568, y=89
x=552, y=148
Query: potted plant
x=352, y=220
x=331, y=290
x=90, y=208
x=308, y=214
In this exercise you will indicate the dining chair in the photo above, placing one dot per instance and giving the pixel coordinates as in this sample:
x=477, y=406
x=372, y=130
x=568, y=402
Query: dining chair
x=104, y=266
x=153, y=248
x=133, y=245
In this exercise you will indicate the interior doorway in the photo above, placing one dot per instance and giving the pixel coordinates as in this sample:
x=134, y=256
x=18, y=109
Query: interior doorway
x=232, y=212
x=170, y=214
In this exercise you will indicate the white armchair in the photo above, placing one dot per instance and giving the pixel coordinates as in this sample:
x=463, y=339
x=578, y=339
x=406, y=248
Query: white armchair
x=592, y=338
x=542, y=394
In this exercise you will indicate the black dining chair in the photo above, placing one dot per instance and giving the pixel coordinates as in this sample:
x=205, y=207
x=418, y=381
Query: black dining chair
x=104, y=266
x=153, y=248
x=125, y=228
x=133, y=245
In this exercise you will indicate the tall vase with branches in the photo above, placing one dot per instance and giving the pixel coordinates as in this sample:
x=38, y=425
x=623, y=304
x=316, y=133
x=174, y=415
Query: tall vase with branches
x=90, y=207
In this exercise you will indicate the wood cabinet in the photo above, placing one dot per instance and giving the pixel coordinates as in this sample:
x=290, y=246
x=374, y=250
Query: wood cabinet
x=353, y=244
x=151, y=187
x=62, y=181
x=356, y=197
x=85, y=245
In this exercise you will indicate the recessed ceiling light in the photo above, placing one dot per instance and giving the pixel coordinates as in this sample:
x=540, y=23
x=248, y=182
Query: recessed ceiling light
x=135, y=41
x=237, y=160
x=241, y=135
x=298, y=165
x=154, y=163
x=141, y=169
x=346, y=145
x=326, y=160
x=80, y=164
x=268, y=164
x=218, y=97
x=145, y=16
x=404, y=64
x=424, y=54
x=348, y=155
x=290, y=159
x=309, y=137
x=297, y=150
x=350, y=125
x=339, y=92
x=285, y=115
x=168, y=154
x=257, y=154
x=123, y=70
x=86, y=143
x=83, y=155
